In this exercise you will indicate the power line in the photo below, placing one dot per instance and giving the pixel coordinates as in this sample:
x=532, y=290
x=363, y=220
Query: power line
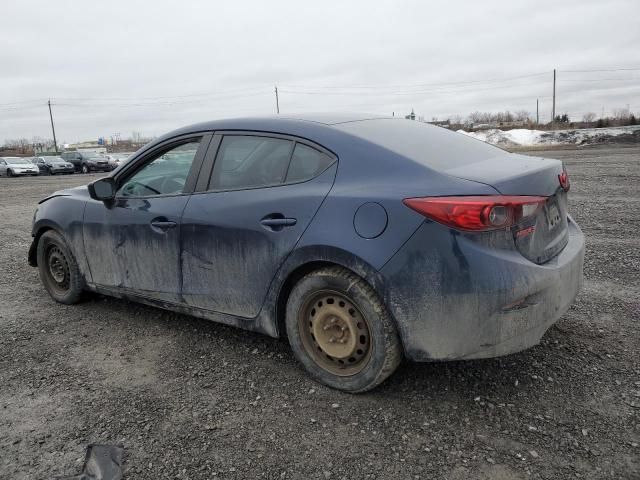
x=419, y=85
x=40, y=100
x=168, y=97
x=601, y=70
x=413, y=92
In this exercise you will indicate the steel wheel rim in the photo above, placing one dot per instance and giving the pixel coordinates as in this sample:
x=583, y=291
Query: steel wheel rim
x=58, y=269
x=335, y=333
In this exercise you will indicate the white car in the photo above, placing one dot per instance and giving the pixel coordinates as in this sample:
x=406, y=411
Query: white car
x=15, y=166
x=117, y=159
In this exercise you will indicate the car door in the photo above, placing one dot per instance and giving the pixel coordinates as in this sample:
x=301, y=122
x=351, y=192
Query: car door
x=132, y=243
x=239, y=227
x=3, y=167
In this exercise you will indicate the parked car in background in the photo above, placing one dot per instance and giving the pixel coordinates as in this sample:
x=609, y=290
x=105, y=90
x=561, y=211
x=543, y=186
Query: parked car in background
x=362, y=241
x=86, y=162
x=17, y=166
x=117, y=159
x=51, y=165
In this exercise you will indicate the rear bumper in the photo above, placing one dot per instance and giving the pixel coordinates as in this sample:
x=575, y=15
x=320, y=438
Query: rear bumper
x=454, y=298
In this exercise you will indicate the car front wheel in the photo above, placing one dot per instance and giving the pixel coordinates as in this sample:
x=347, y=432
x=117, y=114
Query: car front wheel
x=85, y=169
x=9, y=173
x=58, y=269
x=341, y=332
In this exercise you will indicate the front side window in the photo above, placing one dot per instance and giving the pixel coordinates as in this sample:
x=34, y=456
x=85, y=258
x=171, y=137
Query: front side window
x=306, y=163
x=245, y=161
x=165, y=174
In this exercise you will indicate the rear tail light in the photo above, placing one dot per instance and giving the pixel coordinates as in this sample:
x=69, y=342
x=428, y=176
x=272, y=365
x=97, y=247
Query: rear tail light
x=564, y=180
x=479, y=213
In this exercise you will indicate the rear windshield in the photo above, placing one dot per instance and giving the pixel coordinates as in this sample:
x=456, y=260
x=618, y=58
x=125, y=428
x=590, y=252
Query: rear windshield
x=432, y=146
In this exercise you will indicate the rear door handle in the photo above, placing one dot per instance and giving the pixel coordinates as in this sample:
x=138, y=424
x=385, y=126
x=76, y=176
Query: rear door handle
x=279, y=222
x=163, y=224
x=276, y=222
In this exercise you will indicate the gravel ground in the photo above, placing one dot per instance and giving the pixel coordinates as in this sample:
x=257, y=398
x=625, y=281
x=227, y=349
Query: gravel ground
x=193, y=399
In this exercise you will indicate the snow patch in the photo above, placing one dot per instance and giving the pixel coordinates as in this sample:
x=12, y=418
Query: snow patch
x=523, y=136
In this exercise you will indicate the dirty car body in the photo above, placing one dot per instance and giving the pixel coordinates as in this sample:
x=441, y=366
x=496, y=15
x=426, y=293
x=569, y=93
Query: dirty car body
x=471, y=249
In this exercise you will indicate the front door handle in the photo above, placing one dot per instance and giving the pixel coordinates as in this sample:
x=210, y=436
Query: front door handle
x=162, y=224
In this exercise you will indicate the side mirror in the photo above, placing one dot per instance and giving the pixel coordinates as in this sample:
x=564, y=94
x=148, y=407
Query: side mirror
x=103, y=189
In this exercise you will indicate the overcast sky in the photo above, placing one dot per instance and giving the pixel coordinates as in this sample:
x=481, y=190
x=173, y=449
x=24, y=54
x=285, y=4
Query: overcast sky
x=124, y=66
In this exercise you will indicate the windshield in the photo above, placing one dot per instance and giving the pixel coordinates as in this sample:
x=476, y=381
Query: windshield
x=53, y=160
x=16, y=161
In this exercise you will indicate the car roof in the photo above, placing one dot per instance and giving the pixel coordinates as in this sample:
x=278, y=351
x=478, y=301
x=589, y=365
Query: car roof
x=279, y=123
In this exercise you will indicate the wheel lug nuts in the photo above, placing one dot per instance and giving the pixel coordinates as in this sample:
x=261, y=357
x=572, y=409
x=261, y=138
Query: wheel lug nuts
x=332, y=340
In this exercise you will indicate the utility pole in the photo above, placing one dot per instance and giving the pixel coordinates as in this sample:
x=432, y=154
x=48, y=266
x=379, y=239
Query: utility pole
x=537, y=112
x=55, y=142
x=553, y=111
x=277, y=101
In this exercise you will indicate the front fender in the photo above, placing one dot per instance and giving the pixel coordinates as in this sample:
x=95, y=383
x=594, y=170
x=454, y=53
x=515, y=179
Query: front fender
x=64, y=214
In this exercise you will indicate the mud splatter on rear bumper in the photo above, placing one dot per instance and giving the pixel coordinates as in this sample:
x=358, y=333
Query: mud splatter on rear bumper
x=454, y=298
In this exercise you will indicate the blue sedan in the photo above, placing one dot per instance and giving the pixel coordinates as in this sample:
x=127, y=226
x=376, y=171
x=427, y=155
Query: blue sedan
x=362, y=240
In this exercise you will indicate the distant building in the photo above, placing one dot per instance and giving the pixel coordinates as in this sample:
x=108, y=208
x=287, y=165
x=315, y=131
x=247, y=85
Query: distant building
x=89, y=146
x=411, y=116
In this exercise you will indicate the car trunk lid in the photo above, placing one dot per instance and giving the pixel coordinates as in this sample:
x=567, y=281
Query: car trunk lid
x=539, y=237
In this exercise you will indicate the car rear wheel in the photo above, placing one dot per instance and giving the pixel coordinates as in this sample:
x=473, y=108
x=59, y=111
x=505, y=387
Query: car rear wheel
x=341, y=332
x=85, y=168
x=58, y=269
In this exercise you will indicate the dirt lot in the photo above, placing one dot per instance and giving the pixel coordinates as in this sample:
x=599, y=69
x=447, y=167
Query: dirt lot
x=192, y=399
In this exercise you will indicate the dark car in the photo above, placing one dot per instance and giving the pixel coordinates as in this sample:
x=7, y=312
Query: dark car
x=86, y=162
x=50, y=165
x=362, y=240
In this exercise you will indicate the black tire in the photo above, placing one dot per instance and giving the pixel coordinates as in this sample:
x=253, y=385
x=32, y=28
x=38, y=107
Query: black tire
x=378, y=333
x=9, y=173
x=85, y=168
x=58, y=269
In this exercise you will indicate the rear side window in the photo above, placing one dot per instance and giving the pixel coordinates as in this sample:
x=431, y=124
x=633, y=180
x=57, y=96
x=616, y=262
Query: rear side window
x=306, y=163
x=245, y=161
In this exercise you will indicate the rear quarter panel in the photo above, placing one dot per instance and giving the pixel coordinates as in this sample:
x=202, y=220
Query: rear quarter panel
x=369, y=173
